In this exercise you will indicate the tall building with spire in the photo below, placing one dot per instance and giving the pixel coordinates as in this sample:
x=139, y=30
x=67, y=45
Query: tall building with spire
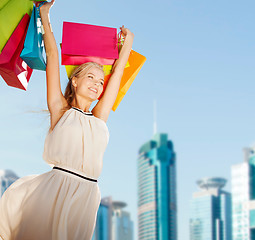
x=157, y=205
x=211, y=211
x=7, y=177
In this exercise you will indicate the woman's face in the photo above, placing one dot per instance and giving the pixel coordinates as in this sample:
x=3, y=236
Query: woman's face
x=91, y=84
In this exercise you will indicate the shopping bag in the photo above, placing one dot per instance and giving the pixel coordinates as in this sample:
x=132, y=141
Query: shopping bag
x=32, y=53
x=11, y=13
x=13, y=69
x=69, y=69
x=78, y=60
x=83, y=43
x=3, y=3
x=107, y=69
x=136, y=62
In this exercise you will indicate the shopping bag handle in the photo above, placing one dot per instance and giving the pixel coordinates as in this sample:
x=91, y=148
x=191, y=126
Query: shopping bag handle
x=39, y=3
x=120, y=39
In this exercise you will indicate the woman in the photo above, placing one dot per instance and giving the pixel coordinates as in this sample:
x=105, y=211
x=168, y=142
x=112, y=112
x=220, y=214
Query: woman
x=63, y=203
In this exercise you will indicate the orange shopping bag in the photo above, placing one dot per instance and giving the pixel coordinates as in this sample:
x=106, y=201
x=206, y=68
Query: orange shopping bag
x=136, y=62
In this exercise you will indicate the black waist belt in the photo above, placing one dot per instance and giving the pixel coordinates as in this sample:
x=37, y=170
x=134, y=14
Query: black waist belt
x=76, y=174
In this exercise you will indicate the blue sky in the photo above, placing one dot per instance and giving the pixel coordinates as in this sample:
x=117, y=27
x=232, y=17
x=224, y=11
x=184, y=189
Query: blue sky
x=200, y=68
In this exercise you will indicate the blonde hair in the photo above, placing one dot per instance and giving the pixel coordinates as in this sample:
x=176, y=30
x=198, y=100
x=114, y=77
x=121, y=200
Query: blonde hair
x=77, y=72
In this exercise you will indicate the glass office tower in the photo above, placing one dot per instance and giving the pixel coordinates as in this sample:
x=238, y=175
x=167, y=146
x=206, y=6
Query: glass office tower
x=103, y=228
x=113, y=223
x=240, y=201
x=211, y=211
x=122, y=226
x=157, y=206
x=7, y=177
x=252, y=193
x=243, y=191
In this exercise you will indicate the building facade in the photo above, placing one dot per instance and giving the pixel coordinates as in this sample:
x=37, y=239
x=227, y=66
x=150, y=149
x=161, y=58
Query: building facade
x=157, y=204
x=240, y=201
x=103, y=228
x=122, y=226
x=243, y=191
x=210, y=217
x=113, y=222
x=7, y=177
x=252, y=193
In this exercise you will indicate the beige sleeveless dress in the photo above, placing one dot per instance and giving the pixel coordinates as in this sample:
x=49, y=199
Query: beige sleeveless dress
x=58, y=205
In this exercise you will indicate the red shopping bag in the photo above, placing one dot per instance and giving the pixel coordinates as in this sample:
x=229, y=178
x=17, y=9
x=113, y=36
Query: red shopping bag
x=88, y=43
x=13, y=69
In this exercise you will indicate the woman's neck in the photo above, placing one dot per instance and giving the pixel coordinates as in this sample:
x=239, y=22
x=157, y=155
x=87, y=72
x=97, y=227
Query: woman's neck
x=81, y=103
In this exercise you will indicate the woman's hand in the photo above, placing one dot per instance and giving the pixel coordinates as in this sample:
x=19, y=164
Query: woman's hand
x=45, y=8
x=126, y=32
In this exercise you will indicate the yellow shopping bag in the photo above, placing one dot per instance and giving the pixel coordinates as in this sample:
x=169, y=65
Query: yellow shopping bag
x=107, y=69
x=70, y=68
x=11, y=13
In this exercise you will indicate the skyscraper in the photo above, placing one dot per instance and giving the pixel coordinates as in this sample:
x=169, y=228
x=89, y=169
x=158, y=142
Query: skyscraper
x=252, y=193
x=211, y=211
x=113, y=223
x=7, y=177
x=103, y=228
x=157, y=206
x=122, y=226
x=243, y=197
x=240, y=201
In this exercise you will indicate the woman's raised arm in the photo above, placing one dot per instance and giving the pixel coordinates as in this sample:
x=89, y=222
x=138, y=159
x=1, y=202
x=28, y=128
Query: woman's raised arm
x=55, y=98
x=104, y=105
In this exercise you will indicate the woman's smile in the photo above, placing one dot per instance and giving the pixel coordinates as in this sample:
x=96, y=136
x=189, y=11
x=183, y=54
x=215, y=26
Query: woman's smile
x=93, y=90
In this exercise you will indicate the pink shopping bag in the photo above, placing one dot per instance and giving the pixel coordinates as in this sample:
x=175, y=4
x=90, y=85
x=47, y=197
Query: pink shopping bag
x=88, y=43
x=13, y=69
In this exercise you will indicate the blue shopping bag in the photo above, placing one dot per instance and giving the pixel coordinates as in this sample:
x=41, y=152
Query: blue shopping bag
x=32, y=53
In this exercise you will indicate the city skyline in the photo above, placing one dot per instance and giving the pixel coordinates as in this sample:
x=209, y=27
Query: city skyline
x=202, y=78
x=211, y=187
